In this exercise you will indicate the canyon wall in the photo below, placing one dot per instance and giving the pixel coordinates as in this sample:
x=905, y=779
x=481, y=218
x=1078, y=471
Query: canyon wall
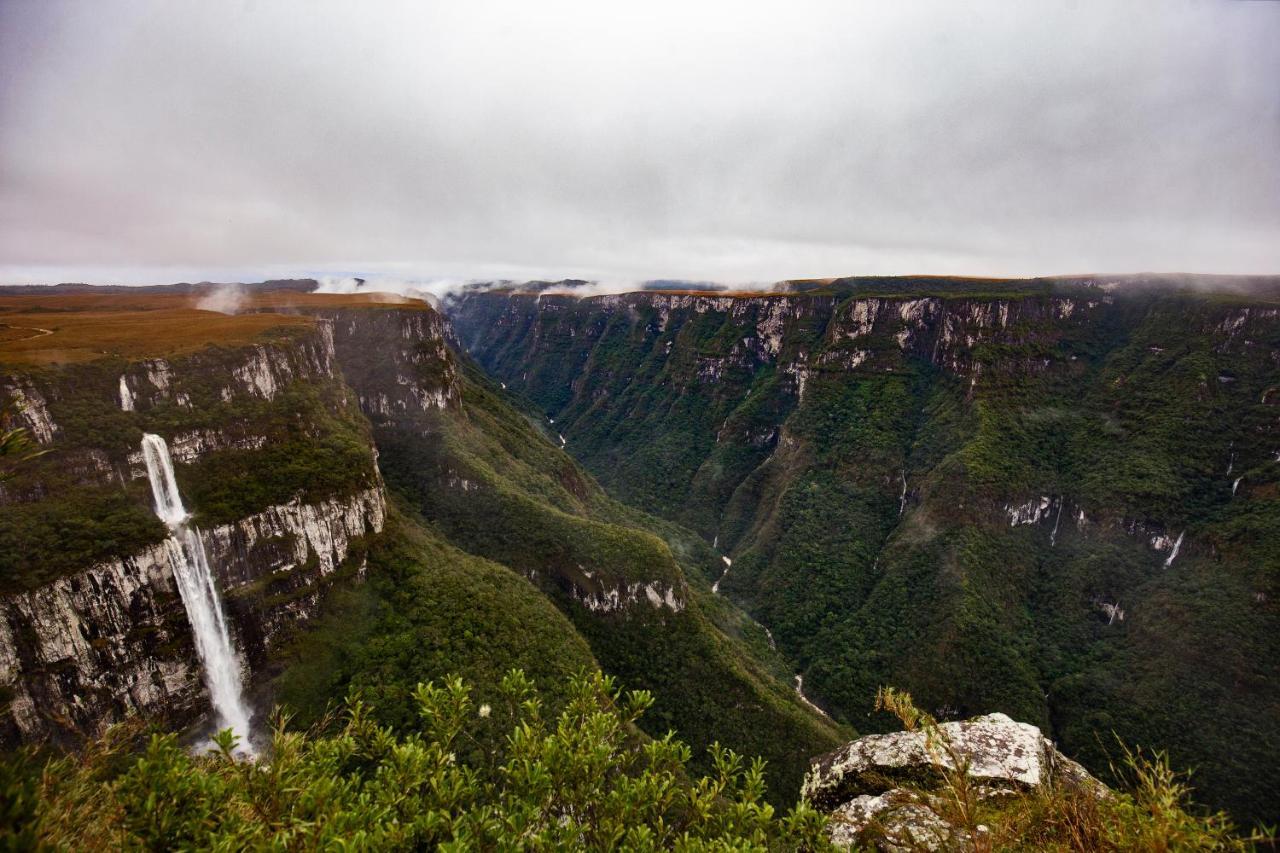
x=1046, y=498
x=91, y=624
x=274, y=446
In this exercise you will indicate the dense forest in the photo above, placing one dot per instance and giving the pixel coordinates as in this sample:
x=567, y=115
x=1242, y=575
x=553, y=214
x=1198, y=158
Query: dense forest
x=1053, y=498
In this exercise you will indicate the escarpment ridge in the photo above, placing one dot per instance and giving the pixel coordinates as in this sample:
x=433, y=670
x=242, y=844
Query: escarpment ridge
x=333, y=452
x=1063, y=489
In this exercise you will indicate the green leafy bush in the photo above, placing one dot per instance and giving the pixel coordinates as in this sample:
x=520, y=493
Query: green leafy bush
x=584, y=779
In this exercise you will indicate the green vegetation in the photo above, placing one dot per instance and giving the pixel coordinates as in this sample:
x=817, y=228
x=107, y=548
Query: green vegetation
x=869, y=515
x=43, y=540
x=424, y=610
x=496, y=488
x=582, y=779
x=864, y=485
x=487, y=502
x=313, y=454
x=84, y=500
x=16, y=445
x=518, y=772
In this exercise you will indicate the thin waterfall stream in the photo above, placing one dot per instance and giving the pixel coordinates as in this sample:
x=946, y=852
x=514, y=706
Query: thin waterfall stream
x=199, y=594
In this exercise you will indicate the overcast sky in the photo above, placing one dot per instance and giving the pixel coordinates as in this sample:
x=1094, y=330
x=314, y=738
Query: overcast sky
x=154, y=141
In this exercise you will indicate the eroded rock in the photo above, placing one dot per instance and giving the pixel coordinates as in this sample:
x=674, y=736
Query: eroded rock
x=898, y=821
x=880, y=789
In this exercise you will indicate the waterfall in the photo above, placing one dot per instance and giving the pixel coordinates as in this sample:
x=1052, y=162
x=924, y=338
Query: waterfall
x=1177, y=546
x=126, y=396
x=715, y=587
x=199, y=594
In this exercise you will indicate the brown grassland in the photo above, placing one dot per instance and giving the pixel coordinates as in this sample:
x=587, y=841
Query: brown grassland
x=67, y=328
x=293, y=299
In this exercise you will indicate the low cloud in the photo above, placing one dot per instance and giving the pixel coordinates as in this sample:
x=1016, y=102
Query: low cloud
x=443, y=289
x=433, y=290
x=223, y=298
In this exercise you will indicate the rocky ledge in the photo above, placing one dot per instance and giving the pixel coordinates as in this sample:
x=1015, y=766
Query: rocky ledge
x=885, y=790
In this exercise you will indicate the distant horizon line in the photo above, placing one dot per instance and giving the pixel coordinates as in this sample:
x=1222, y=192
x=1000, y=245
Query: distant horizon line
x=371, y=279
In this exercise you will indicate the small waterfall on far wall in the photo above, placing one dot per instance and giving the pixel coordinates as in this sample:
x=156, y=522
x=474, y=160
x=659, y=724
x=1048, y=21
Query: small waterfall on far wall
x=199, y=595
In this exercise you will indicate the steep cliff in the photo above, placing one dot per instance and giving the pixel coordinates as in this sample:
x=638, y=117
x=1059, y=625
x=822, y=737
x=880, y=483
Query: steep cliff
x=1047, y=498
x=491, y=482
x=277, y=465
x=279, y=443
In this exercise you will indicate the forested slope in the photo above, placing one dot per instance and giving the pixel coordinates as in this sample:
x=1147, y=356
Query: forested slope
x=485, y=479
x=1056, y=499
x=491, y=548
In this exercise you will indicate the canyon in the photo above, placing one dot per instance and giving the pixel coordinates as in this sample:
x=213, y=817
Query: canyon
x=1014, y=496
x=1053, y=499
x=111, y=633
x=344, y=454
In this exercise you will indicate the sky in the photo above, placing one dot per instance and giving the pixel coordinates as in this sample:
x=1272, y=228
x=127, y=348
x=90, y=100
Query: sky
x=145, y=142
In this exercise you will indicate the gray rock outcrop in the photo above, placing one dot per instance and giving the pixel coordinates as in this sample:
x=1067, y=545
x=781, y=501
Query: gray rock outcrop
x=883, y=789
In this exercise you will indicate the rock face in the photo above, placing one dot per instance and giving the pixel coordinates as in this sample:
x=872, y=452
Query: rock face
x=903, y=821
x=880, y=788
x=628, y=595
x=83, y=645
x=86, y=650
x=401, y=368
x=799, y=334
x=919, y=479
x=397, y=360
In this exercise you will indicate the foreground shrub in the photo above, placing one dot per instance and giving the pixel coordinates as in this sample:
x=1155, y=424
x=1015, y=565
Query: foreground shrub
x=585, y=779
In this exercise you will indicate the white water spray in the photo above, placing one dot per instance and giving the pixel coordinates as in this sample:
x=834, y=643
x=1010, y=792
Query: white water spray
x=1177, y=546
x=715, y=587
x=199, y=595
x=805, y=699
x=126, y=396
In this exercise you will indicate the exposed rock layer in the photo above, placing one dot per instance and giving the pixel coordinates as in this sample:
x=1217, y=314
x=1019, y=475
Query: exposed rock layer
x=88, y=649
x=881, y=788
x=110, y=639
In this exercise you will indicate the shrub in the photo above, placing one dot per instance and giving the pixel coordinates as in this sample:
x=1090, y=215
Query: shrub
x=583, y=779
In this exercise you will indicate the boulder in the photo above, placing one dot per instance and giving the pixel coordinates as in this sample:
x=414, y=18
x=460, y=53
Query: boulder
x=878, y=789
x=896, y=821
